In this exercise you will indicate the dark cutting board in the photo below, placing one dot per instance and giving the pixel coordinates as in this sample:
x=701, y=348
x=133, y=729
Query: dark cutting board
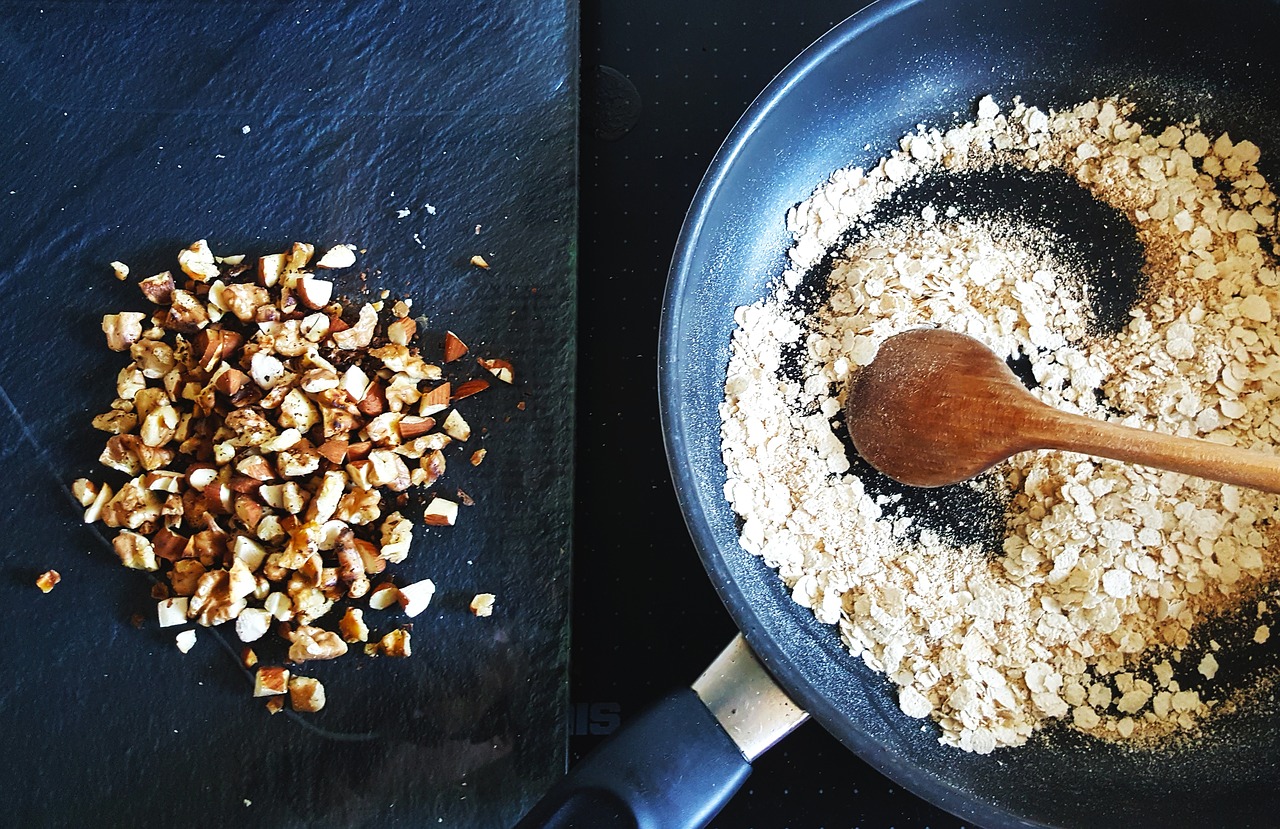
x=132, y=129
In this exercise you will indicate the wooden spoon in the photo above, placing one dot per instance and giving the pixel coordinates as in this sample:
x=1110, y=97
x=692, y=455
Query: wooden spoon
x=936, y=407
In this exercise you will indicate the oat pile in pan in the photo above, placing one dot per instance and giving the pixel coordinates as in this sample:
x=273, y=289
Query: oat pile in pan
x=1100, y=606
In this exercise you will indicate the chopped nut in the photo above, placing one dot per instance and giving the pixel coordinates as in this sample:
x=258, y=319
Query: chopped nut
x=122, y=330
x=121, y=270
x=454, y=348
x=135, y=551
x=243, y=300
x=402, y=330
x=360, y=334
x=197, y=262
x=501, y=369
x=383, y=596
x=313, y=643
x=397, y=538
x=306, y=694
x=252, y=624
x=415, y=597
x=469, y=388
x=214, y=422
x=159, y=288
x=396, y=643
x=482, y=604
x=434, y=400
x=185, y=640
x=477, y=457
x=187, y=314
x=440, y=512
x=270, y=681
x=456, y=427
x=248, y=657
x=47, y=580
x=171, y=612
x=338, y=256
x=315, y=293
x=85, y=491
x=479, y=262
x=352, y=626
x=433, y=467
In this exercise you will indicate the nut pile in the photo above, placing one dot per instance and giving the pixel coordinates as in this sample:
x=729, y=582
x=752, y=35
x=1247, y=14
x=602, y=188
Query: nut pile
x=270, y=443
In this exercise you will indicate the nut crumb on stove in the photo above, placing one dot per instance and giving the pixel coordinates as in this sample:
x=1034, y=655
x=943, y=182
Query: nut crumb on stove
x=263, y=433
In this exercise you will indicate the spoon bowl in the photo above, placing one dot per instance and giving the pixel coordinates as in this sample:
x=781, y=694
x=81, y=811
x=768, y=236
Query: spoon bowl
x=935, y=407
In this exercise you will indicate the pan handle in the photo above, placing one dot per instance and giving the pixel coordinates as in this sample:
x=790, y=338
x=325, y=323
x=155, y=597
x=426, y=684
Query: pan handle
x=678, y=763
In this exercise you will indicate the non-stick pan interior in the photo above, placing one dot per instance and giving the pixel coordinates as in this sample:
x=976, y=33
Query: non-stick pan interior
x=846, y=101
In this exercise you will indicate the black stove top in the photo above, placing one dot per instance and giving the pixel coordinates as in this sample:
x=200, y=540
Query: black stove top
x=663, y=83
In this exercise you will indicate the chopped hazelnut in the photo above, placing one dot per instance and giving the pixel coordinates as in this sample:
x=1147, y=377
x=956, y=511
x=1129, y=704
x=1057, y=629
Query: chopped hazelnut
x=121, y=270
x=47, y=580
x=159, y=288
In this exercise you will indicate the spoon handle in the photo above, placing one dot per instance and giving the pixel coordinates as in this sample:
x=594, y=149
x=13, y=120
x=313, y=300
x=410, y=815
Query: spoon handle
x=1202, y=458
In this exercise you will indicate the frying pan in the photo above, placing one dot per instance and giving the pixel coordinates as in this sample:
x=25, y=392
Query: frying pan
x=843, y=102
